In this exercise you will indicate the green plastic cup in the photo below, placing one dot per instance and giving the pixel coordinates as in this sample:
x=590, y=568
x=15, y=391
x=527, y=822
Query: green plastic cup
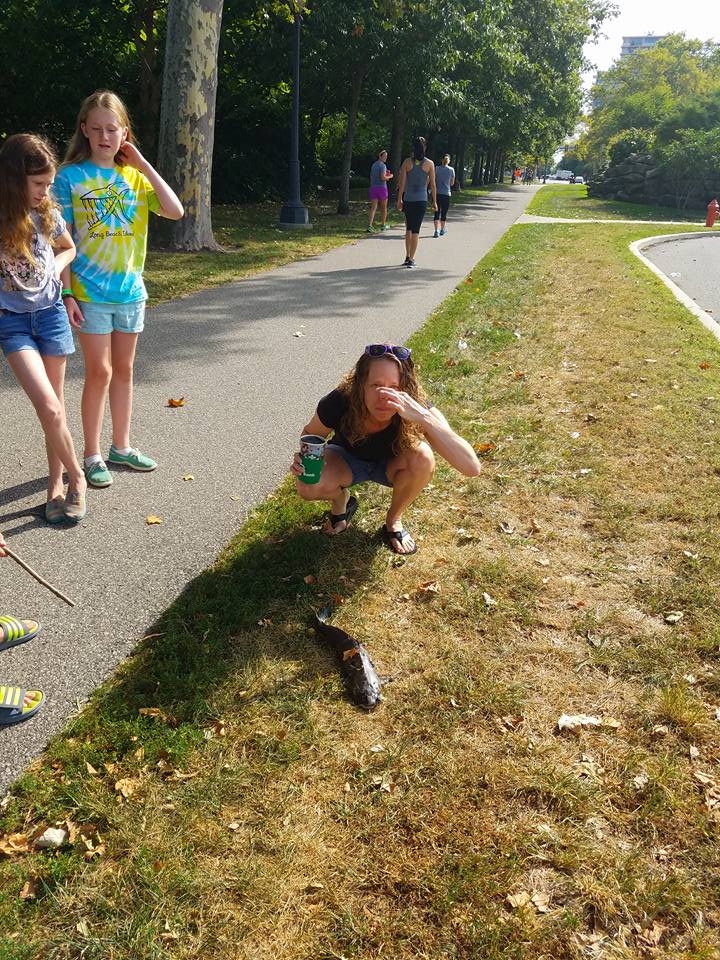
x=312, y=452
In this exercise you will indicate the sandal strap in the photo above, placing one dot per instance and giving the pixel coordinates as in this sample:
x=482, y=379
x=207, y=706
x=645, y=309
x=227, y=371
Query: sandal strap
x=11, y=629
x=11, y=698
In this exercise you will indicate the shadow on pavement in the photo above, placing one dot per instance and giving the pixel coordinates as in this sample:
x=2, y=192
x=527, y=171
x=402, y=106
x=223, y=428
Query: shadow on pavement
x=256, y=606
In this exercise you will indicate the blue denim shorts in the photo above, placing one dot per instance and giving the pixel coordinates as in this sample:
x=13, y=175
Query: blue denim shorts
x=363, y=471
x=112, y=317
x=47, y=331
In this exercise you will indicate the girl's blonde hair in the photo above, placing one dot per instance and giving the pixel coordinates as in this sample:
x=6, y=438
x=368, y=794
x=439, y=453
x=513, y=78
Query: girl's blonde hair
x=79, y=146
x=23, y=155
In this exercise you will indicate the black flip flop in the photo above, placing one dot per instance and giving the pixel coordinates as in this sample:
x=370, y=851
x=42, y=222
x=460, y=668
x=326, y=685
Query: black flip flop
x=350, y=509
x=399, y=535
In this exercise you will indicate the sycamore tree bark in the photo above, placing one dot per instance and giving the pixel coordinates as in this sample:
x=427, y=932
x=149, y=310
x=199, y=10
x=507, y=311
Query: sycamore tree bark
x=187, y=117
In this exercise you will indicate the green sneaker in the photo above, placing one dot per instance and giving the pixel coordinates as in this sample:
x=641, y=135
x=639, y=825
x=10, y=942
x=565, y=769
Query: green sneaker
x=371, y=229
x=98, y=475
x=385, y=226
x=135, y=460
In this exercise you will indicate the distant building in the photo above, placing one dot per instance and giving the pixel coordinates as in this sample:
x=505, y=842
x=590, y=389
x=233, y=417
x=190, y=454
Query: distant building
x=633, y=44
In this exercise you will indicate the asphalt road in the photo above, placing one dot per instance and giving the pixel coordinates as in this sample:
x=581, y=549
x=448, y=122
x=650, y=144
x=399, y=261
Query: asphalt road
x=249, y=386
x=692, y=264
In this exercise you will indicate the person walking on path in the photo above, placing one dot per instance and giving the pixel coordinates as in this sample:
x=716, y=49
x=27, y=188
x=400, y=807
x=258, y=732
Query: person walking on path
x=107, y=190
x=444, y=181
x=17, y=703
x=417, y=174
x=379, y=176
x=386, y=432
x=35, y=337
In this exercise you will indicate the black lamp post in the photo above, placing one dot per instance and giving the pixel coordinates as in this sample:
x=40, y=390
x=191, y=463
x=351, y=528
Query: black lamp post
x=294, y=214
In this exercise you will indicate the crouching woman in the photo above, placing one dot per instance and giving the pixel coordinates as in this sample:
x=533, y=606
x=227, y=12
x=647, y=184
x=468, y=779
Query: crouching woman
x=384, y=431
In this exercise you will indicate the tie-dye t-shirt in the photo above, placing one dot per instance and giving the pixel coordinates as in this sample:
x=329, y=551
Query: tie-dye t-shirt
x=107, y=212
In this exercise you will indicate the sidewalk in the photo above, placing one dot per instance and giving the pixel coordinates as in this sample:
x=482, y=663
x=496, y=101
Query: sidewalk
x=249, y=385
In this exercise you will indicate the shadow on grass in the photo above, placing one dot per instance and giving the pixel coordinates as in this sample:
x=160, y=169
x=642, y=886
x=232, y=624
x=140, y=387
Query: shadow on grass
x=254, y=604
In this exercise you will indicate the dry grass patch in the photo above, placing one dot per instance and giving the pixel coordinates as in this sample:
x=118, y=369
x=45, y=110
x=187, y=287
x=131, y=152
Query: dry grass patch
x=268, y=819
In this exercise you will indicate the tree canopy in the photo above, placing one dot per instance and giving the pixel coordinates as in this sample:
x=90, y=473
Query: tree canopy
x=482, y=79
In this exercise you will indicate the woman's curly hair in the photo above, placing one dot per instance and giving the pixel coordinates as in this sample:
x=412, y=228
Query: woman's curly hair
x=23, y=155
x=354, y=420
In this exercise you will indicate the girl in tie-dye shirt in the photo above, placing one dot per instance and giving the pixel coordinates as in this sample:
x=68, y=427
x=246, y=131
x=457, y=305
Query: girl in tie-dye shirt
x=107, y=189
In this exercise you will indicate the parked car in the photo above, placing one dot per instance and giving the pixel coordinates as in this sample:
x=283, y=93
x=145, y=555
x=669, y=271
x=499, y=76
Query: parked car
x=579, y=180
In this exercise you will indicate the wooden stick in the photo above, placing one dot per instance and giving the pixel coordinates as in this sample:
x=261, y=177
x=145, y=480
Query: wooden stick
x=37, y=576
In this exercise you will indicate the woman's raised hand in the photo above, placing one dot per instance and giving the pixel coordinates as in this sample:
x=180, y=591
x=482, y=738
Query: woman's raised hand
x=403, y=404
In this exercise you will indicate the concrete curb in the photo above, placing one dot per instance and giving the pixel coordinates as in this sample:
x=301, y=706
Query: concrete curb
x=639, y=245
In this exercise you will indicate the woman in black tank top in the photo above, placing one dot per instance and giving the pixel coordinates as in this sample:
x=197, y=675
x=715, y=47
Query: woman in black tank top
x=417, y=175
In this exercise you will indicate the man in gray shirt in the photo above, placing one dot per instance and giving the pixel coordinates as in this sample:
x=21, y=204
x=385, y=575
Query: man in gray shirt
x=445, y=181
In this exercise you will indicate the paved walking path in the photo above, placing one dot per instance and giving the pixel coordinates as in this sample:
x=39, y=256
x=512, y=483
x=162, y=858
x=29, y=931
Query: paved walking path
x=535, y=218
x=249, y=385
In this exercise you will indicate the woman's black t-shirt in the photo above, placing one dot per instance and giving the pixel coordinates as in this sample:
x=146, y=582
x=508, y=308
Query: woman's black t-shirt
x=374, y=447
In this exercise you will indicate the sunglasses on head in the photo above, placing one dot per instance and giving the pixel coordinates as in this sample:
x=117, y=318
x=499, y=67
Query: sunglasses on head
x=380, y=349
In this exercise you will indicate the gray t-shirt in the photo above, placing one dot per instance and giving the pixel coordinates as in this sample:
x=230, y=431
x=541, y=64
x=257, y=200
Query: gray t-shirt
x=26, y=286
x=377, y=174
x=444, y=176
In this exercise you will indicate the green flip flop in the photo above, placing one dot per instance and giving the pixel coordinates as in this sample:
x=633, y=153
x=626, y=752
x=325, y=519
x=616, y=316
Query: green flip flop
x=12, y=706
x=13, y=632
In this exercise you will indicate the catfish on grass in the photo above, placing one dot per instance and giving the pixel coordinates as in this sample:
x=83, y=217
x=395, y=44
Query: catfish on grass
x=361, y=680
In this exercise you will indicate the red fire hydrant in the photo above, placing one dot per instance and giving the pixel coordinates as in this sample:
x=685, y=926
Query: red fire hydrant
x=713, y=208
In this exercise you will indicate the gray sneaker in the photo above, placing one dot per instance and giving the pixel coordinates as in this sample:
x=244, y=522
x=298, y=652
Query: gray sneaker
x=98, y=475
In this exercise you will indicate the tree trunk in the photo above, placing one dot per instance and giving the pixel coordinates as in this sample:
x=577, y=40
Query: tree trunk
x=187, y=118
x=489, y=158
x=397, y=135
x=150, y=82
x=358, y=76
x=476, y=167
x=501, y=169
x=460, y=163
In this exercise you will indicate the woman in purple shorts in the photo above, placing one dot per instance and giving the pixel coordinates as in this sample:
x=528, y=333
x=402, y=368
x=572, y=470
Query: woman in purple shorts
x=379, y=176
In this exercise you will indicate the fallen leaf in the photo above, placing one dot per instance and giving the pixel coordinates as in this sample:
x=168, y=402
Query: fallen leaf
x=154, y=712
x=512, y=721
x=90, y=768
x=519, y=900
x=127, y=787
x=151, y=519
x=188, y=476
x=233, y=826
x=507, y=528
x=482, y=448
x=704, y=365
x=673, y=616
x=694, y=752
x=14, y=844
x=310, y=579
x=489, y=602
x=180, y=402
x=82, y=928
x=30, y=889
x=541, y=902
x=298, y=333
x=314, y=887
x=519, y=374
x=429, y=586
x=450, y=362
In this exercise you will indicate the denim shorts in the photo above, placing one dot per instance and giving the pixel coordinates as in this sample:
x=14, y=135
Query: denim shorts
x=112, y=317
x=47, y=331
x=363, y=471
